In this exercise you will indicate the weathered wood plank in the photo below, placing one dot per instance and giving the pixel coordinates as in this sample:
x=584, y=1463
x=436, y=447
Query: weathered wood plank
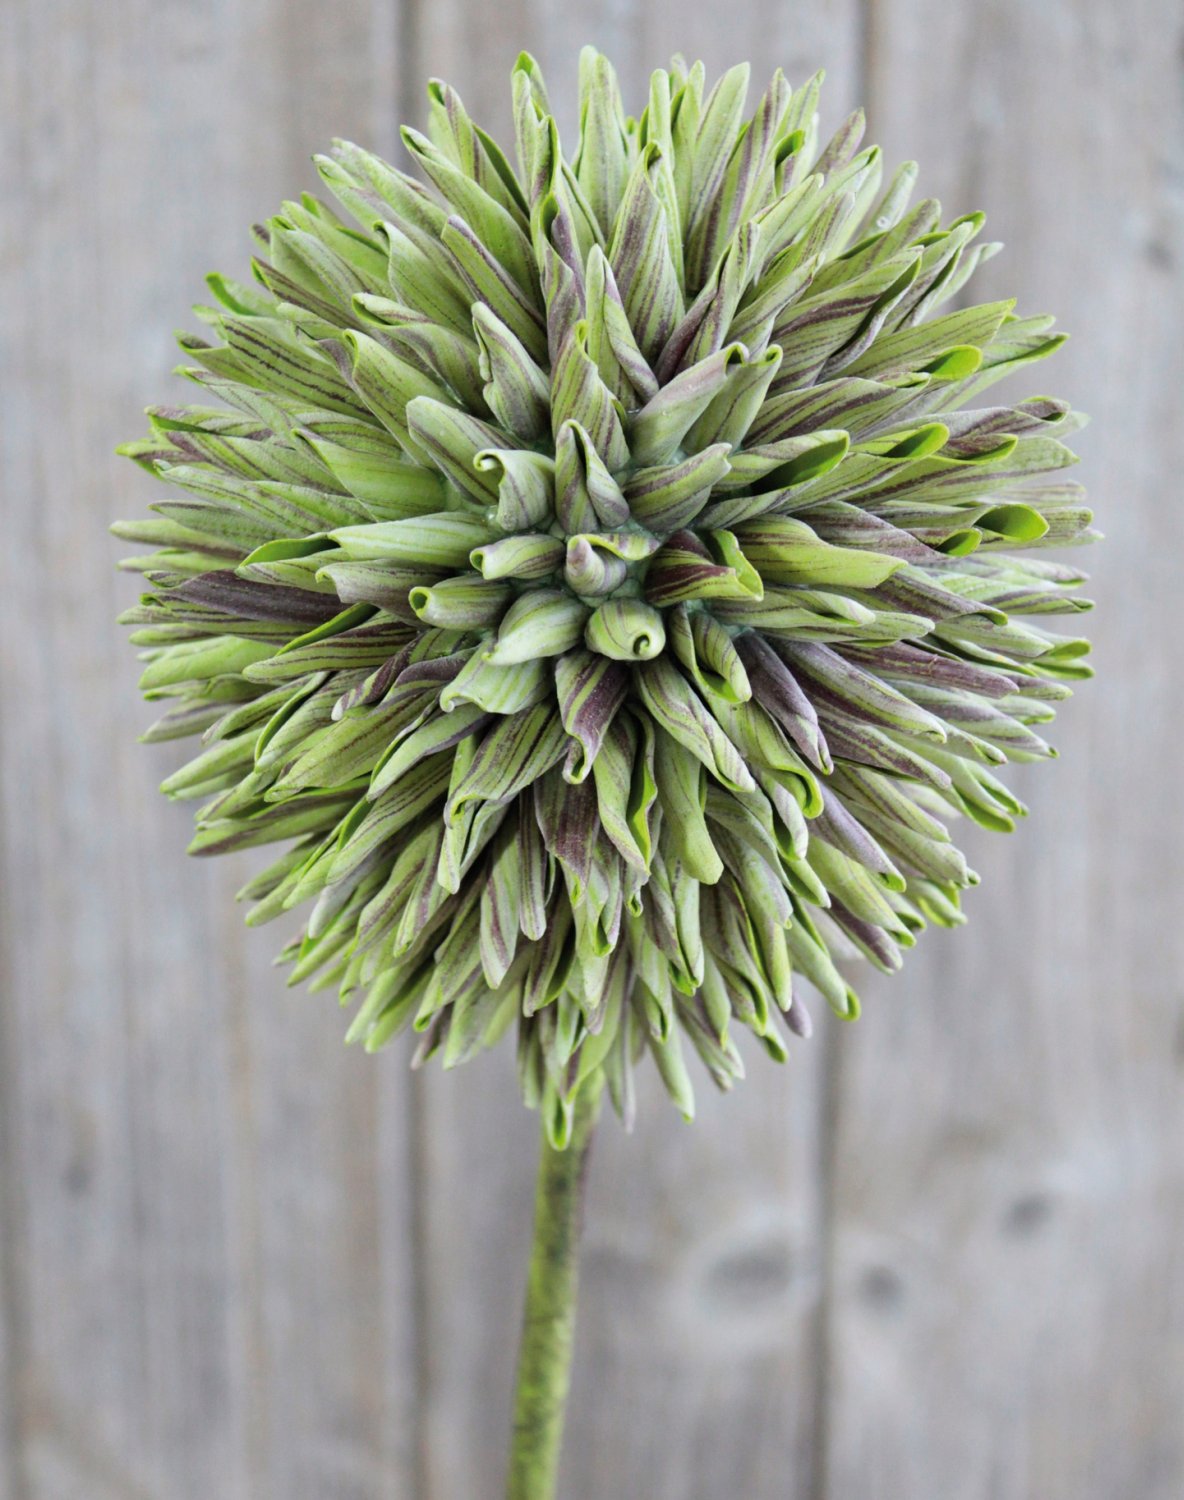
x=1009, y=1190
x=204, y=1185
x=331, y=1192
x=112, y=998
x=701, y=1285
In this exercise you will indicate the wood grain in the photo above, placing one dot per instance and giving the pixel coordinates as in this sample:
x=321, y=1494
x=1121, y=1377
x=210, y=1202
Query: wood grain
x=193, y=1233
x=331, y=1196
x=938, y=1255
x=1009, y=1187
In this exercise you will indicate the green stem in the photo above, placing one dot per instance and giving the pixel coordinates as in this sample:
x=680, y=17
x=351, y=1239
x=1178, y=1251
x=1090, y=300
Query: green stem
x=548, y=1326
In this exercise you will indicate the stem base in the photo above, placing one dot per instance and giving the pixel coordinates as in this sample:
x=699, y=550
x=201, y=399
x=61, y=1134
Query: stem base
x=548, y=1327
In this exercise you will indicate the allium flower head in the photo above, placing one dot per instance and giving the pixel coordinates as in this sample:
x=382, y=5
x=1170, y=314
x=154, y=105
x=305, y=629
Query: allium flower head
x=601, y=577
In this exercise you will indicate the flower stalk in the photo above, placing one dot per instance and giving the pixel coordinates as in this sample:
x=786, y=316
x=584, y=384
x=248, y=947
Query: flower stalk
x=548, y=1324
x=599, y=572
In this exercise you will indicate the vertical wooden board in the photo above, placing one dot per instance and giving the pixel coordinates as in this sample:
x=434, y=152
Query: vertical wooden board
x=329, y=1196
x=696, y=1352
x=1009, y=1195
x=177, y=1200
x=114, y=1011
x=476, y=1166
x=336, y=1321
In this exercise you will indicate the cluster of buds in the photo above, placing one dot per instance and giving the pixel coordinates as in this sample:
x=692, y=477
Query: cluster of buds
x=596, y=579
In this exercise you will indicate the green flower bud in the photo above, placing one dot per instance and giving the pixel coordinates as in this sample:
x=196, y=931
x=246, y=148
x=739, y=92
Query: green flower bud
x=626, y=630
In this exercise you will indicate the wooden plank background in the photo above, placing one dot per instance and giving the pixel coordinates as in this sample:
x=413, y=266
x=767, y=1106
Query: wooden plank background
x=940, y=1255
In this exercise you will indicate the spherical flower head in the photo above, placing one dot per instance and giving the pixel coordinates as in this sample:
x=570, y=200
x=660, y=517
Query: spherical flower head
x=598, y=578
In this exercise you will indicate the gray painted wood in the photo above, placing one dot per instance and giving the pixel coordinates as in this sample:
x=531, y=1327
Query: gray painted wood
x=938, y=1254
x=1008, y=1316
x=199, y=1172
x=329, y=1196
